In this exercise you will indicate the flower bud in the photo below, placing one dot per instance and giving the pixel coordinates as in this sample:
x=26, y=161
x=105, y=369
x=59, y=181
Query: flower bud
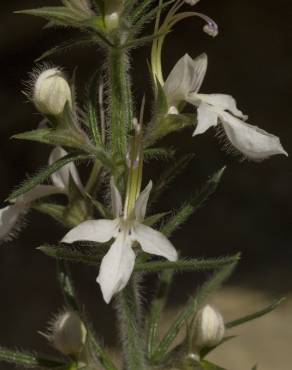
x=51, y=92
x=210, y=327
x=68, y=333
x=113, y=10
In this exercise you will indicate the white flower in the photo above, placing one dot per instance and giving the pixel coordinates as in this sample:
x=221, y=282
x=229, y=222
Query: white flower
x=210, y=327
x=118, y=264
x=51, y=92
x=183, y=85
x=68, y=333
x=10, y=215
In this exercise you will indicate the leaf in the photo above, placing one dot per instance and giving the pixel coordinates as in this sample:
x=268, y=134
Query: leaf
x=57, y=137
x=91, y=108
x=255, y=315
x=25, y=359
x=191, y=310
x=192, y=264
x=101, y=208
x=193, y=204
x=140, y=9
x=156, y=309
x=56, y=211
x=161, y=154
x=45, y=173
x=71, y=300
x=167, y=176
x=58, y=14
x=87, y=253
x=154, y=219
x=66, y=45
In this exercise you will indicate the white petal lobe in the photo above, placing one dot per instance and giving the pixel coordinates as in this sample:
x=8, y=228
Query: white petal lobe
x=154, y=242
x=252, y=141
x=99, y=231
x=141, y=203
x=222, y=102
x=186, y=77
x=61, y=177
x=117, y=204
x=8, y=219
x=116, y=267
x=206, y=118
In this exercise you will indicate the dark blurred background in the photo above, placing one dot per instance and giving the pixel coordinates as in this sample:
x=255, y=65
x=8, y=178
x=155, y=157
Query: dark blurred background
x=251, y=212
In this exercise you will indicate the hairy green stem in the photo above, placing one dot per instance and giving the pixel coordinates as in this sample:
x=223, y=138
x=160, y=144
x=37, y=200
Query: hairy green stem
x=121, y=114
x=130, y=325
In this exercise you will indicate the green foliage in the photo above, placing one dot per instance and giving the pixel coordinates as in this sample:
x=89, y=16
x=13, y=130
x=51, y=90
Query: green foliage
x=193, y=204
x=92, y=111
x=162, y=350
x=209, y=366
x=56, y=211
x=24, y=359
x=88, y=253
x=256, y=315
x=45, y=173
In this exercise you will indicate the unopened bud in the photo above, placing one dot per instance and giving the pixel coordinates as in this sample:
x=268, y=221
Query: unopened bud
x=192, y=2
x=68, y=333
x=51, y=92
x=210, y=327
x=113, y=10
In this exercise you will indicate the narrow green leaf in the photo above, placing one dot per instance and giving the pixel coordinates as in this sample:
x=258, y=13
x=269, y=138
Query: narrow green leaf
x=66, y=45
x=101, y=208
x=86, y=253
x=25, y=359
x=191, y=264
x=256, y=315
x=154, y=219
x=191, y=310
x=194, y=203
x=138, y=42
x=60, y=136
x=71, y=300
x=139, y=10
x=56, y=211
x=156, y=309
x=45, y=173
x=161, y=154
x=68, y=290
x=59, y=14
x=167, y=176
x=92, y=112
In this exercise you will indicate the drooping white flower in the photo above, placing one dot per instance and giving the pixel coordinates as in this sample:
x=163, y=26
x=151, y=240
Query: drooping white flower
x=10, y=215
x=51, y=92
x=68, y=333
x=183, y=85
x=210, y=327
x=118, y=264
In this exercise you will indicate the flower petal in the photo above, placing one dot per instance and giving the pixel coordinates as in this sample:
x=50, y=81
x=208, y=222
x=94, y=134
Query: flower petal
x=61, y=177
x=206, y=118
x=141, y=202
x=154, y=242
x=99, y=231
x=39, y=191
x=8, y=219
x=222, y=102
x=117, y=204
x=186, y=77
x=116, y=267
x=252, y=141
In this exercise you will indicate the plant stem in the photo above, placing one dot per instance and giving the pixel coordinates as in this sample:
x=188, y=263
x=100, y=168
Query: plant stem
x=130, y=325
x=120, y=101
